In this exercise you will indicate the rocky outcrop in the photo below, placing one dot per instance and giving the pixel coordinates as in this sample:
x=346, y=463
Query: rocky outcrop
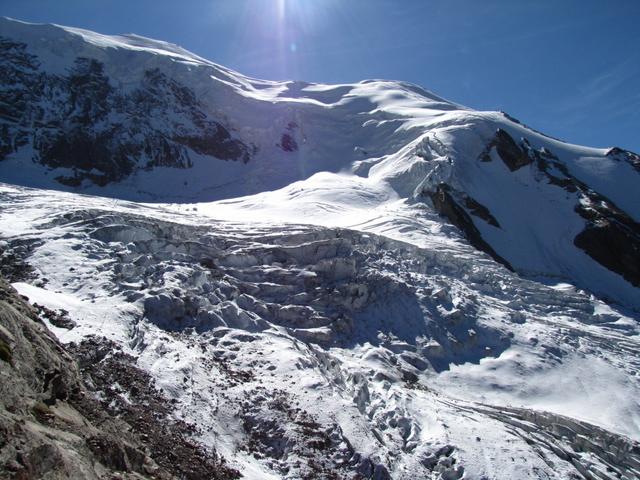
x=21, y=82
x=508, y=150
x=446, y=205
x=101, y=133
x=480, y=211
x=288, y=141
x=611, y=237
x=53, y=426
x=625, y=156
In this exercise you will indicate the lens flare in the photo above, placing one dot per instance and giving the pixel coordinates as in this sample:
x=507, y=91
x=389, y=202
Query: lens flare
x=282, y=7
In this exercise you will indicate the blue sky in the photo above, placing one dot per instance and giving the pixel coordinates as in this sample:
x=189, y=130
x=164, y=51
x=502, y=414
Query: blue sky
x=570, y=68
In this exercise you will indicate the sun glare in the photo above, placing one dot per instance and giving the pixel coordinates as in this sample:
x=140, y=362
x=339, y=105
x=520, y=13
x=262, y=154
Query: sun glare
x=282, y=6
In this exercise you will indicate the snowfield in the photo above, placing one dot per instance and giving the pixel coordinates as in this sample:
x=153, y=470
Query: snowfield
x=358, y=281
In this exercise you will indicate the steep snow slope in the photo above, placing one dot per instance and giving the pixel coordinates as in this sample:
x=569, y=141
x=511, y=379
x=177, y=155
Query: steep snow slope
x=154, y=115
x=351, y=247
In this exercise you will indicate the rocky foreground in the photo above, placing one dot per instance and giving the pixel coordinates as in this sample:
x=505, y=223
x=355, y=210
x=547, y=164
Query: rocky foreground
x=60, y=415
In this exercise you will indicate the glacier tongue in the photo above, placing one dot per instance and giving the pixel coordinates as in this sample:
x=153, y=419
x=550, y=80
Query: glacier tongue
x=305, y=351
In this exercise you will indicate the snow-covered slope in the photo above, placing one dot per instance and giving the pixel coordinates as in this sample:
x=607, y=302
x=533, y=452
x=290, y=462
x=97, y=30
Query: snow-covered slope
x=134, y=118
x=139, y=119
x=359, y=279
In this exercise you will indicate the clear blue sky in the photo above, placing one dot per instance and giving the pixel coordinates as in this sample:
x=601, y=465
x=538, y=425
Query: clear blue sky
x=570, y=68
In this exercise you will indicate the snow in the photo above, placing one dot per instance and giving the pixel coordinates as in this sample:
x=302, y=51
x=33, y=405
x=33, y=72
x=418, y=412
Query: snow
x=614, y=179
x=546, y=335
x=323, y=199
x=323, y=280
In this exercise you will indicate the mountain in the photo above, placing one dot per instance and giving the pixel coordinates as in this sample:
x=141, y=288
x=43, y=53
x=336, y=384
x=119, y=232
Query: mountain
x=326, y=281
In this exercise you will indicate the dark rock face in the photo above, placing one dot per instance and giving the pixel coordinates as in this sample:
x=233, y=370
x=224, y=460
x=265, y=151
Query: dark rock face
x=288, y=142
x=614, y=246
x=553, y=170
x=20, y=83
x=82, y=122
x=611, y=237
x=168, y=441
x=511, y=154
x=444, y=202
x=480, y=211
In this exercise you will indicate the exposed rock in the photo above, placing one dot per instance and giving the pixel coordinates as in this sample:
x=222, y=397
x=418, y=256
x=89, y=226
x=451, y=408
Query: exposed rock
x=51, y=427
x=58, y=318
x=555, y=171
x=446, y=205
x=99, y=132
x=611, y=238
x=13, y=265
x=626, y=156
x=20, y=78
x=288, y=141
x=479, y=210
x=130, y=394
x=277, y=430
x=508, y=150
